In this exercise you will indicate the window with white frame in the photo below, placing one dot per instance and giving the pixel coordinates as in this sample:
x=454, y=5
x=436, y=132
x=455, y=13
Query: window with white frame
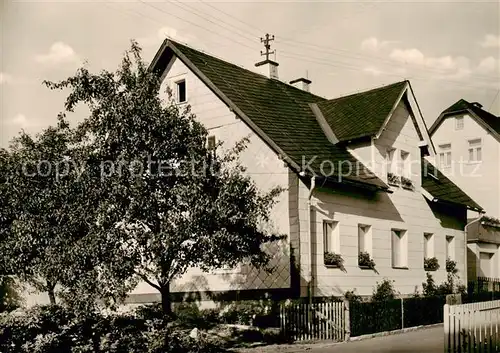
x=428, y=245
x=405, y=164
x=391, y=161
x=331, y=236
x=445, y=155
x=450, y=247
x=475, y=150
x=181, y=91
x=399, y=248
x=459, y=123
x=365, y=238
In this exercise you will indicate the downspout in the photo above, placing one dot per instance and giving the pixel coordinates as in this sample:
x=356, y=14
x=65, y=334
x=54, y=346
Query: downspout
x=309, y=235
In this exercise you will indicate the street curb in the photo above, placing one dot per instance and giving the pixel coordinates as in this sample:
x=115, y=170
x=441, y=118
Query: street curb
x=395, y=332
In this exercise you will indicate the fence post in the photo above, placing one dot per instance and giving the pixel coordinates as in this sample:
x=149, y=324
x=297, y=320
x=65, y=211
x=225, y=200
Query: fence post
x=446, y=318
x=402, y=314
x=347, y=321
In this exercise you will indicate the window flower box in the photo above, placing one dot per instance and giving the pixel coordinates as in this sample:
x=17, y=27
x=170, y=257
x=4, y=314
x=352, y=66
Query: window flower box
x=393, y=179
x=431, y=264
x=333, y=260
x=406, y=183
x=365, y=261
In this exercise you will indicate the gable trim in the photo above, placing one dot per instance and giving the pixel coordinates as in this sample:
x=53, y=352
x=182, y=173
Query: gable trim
x=330, y=135
x=415, y=115
x=233, y=107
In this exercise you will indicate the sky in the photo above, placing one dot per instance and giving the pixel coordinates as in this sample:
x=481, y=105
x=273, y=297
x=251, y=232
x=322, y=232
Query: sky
x=447, y=49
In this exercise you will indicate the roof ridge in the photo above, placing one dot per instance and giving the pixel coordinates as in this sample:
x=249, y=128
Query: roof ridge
x=369, y=90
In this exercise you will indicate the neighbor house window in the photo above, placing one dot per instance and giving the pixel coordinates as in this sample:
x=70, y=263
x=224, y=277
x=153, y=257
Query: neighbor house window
x=399, y=248
x=331, y=236
x=475, y=150
x=445, y=155
x=428, y=245
x=365, y=238
x=459, y=123
x=211, y=142
x=181, y=91
x=450, y=247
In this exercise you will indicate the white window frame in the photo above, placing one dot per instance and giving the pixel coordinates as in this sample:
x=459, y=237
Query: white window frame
x=391, y=160
x=459, y=123
x=177, y=91
x=450, y=247
x=405, y=164
x=399, y=248
x=428, y=245
x=331, y=236
x=445, y=155
x=476, y=150
x=365, y=242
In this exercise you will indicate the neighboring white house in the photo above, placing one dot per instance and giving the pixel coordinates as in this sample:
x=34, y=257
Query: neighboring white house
x=322, y=151
x=467, y=139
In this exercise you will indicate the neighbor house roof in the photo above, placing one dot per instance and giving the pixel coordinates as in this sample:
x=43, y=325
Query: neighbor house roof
x=483, y=117
x=443, y=189
x=362, y=114
x=279, y=113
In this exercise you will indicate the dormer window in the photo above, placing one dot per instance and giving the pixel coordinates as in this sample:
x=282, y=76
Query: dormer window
x=181, y=91
x=459, y=123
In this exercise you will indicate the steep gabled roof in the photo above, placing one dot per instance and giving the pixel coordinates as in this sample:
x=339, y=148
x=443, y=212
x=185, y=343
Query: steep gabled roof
x=483, y=117
x=443, y=189
x=279, y=113
x=362, y=114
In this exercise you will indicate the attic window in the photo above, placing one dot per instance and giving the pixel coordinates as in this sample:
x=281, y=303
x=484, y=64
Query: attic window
x=459, y=123
x=181, y=91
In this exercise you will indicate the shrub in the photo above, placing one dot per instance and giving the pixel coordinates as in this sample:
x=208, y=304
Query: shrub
x=384, y=291
x=9, y=296
x=352, y=297
x=259, y=312
x=431, y=264
x=333, y=259
x=429, y=288
x=364, y=260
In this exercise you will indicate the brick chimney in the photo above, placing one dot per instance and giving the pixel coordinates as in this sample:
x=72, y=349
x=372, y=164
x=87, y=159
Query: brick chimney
x=301, y=83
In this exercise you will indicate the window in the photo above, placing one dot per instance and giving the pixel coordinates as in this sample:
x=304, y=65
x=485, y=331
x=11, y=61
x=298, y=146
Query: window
x=390, y=160
x=428, y=245
x=459, y=123
x=405, y=164
x=331, y=236
x=181, y=91
x=445, y=155
x=211, y=142
x=365, y=238
x=475, y=150
x=450, y=247
x=399, y=248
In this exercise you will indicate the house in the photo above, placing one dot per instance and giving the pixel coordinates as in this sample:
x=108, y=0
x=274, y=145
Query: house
x=354, y=171
x=468, y=148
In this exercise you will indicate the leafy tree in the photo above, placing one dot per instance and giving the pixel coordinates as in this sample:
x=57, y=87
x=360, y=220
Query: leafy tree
x=167, y=202
x=46, y=209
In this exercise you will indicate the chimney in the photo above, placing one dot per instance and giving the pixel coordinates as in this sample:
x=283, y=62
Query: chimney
x=477, y=104
x=301, y=83
x=269, y=68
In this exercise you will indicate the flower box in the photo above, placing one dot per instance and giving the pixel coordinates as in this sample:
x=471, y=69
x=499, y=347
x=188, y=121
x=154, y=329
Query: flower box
x=333, y=260
x=365, y=261
x=406, y=183
x=431, y=264
x=393, y=179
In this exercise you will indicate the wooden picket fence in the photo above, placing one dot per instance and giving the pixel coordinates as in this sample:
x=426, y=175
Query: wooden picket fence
x=472, y=327
x=316, y=321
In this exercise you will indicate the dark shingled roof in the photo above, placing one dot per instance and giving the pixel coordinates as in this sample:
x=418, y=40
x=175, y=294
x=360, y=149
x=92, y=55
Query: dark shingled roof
x=442, y=188
x=281, y=111
x=361, y=114
x=462, y=106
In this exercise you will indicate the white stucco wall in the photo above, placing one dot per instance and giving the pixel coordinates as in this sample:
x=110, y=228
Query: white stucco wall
x=481, y=181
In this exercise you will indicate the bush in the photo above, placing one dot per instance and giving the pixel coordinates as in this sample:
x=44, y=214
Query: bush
x=431, y=264
x=384, y=291
x=9, y=296
x=262, y=313
x=352, y=297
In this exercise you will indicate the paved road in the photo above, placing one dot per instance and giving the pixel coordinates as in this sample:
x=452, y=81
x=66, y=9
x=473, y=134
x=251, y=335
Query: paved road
x=429, y=340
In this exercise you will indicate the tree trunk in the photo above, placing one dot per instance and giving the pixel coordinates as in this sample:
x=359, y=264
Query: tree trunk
x=51, y=291
x=166, y=304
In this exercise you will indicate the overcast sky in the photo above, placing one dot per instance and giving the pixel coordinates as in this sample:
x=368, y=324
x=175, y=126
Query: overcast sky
x=448, y=50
